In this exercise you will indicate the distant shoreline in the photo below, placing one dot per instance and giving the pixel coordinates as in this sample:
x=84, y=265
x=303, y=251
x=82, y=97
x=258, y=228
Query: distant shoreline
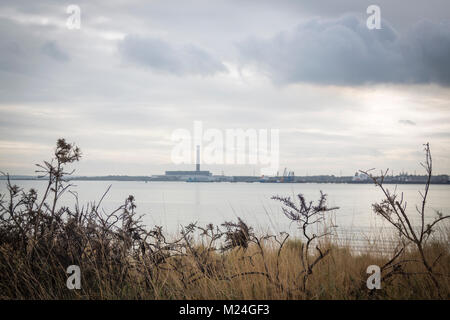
x=441, y=179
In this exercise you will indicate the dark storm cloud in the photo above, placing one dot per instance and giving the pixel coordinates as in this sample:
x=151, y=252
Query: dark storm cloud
x=160, y=55
x=344, y=51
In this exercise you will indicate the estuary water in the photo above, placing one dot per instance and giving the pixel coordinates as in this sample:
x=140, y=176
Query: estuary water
x=173, y=204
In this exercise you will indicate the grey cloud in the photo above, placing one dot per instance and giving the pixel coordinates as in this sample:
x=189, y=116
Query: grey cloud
x=15, y=52
x=345, y=52
x=160, y=55
x=428, y=54
x=407, y=122
x=51, y=49
x=104, y=107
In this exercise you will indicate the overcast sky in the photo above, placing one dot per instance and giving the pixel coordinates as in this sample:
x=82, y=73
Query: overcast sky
x=343, y=97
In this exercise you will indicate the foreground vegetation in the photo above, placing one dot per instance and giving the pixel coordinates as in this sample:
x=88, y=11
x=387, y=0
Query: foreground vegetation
x=120, y=258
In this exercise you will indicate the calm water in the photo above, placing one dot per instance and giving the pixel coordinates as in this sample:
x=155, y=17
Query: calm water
x=171, y=204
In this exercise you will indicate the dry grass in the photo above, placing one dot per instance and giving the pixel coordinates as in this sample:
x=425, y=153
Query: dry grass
x=232, y=275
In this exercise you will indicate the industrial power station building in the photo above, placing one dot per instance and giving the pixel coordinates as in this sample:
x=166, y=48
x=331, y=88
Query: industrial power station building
x=193, y=176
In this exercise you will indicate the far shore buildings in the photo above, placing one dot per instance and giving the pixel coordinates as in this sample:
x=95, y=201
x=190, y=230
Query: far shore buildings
x=198, y=175
x=193, y=176
x=358, y=177
x=190, y=176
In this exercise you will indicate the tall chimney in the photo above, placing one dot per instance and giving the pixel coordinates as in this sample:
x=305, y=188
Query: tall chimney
x=197, y=166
